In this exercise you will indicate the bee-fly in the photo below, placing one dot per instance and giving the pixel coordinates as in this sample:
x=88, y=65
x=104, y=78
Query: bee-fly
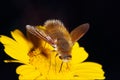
x=58, y=36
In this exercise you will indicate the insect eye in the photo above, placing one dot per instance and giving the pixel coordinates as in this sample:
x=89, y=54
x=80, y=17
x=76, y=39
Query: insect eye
x=65, y=57
x=69, y=56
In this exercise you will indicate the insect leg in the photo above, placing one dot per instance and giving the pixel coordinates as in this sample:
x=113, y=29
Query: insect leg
x=61, y=66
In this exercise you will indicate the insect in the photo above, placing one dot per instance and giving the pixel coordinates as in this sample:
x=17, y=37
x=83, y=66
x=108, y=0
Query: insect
x=58, y=36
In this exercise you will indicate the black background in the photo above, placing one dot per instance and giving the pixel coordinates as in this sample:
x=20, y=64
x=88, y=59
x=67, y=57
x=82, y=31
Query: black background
x=101, y=41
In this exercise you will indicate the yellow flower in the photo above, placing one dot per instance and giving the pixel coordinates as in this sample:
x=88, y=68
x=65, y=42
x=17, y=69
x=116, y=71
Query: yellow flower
x=39, y=66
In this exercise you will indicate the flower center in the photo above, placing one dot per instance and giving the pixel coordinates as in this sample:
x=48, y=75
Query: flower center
x=47, y=62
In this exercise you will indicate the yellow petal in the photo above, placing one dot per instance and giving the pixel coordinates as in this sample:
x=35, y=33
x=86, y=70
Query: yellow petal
x=21, y=39
x=40, y=77
x=91, y=65
x=89, y=70
x=15, y=49
x=6, y=40
x=28, y=72
x=30, y=76
x=16, y=53
x=22, y=68
x=60, y=76
x=78, y=54
x=89, y=76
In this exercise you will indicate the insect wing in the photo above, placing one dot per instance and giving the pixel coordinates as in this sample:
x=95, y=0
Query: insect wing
x=40, y=34
x=79, y=32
